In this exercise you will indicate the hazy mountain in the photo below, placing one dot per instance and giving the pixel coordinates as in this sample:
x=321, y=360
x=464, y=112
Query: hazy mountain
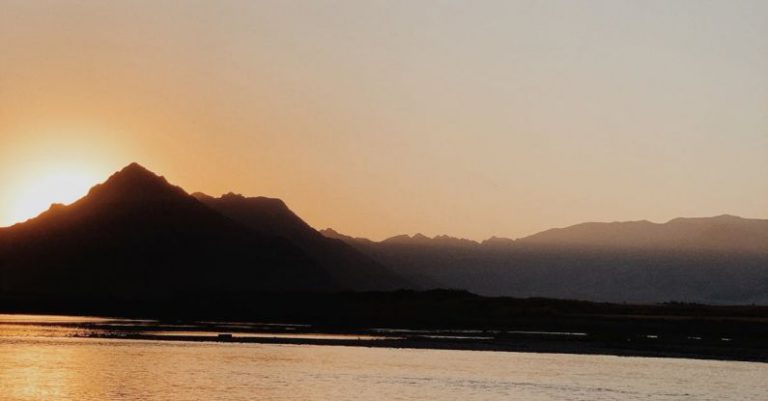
x=721, y=259
x=721, y=233
x=138, y=237
x=420, y=239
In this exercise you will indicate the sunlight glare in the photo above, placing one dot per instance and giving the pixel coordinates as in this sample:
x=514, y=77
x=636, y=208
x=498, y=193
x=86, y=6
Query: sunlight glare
x=36, y=194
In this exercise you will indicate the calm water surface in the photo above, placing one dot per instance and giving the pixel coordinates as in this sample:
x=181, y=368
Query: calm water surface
x=51, y=367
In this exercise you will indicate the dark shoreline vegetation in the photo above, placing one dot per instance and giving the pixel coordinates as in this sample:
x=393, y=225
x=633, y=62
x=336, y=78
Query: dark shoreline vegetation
x=437, y=319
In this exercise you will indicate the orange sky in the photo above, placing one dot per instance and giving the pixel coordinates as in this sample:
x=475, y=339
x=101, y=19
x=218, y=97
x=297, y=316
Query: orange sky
x=386, y=117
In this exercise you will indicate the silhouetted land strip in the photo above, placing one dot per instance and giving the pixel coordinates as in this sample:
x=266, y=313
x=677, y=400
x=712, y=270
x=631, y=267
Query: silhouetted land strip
x=523, y=344
x=444, y=319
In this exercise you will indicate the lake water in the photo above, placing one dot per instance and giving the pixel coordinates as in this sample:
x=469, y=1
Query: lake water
x=50, y=365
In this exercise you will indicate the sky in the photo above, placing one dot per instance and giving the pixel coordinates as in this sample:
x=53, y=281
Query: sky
x=376, y=118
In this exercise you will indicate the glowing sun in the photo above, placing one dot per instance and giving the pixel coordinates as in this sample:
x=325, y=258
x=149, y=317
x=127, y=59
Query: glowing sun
x=38, y=191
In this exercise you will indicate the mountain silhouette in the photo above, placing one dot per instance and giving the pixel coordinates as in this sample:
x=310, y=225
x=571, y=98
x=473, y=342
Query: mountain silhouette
x=722, y=259
x=422, y=240
x=268, y=216
x=724, y=233
x=137, y=237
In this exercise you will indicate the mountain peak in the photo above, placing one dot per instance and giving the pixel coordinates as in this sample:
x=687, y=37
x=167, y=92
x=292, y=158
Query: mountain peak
x=135, y=172
x=723, y=218
x=134, y=182
x=232, y=196
x=498, y=242
x=330, y=232
x=135, y=167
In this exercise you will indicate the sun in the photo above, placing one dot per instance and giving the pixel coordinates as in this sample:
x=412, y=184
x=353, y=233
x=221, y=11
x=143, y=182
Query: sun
x=35, y=193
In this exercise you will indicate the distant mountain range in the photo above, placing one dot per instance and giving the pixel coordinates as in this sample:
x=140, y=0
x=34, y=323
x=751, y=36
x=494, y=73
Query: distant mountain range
x=724, y=233
x=137, y=237
x=721, y=260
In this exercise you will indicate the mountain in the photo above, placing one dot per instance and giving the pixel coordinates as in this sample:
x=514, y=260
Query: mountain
x=137, y=237
x=331, y=233
x=267, y=216
x=722, y=260
x=722, y=233
x=423, y=240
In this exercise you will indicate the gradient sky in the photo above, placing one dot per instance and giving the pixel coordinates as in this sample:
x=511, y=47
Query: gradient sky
x=472, y=118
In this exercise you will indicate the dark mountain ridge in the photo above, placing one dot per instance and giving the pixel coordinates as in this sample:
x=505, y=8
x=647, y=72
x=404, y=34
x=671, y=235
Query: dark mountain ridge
x=269, y=216
x=138, y=237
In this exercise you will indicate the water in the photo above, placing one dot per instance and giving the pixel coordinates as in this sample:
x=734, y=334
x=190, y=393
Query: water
x=53, y=366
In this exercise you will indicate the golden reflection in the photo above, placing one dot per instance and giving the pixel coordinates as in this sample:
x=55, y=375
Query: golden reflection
x=32, y=377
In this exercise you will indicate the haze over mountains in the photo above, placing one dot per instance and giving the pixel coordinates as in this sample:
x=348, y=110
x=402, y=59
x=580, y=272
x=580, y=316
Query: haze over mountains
x=725, y=232
x=722, y=233
x=138, y=237
x=722, y=259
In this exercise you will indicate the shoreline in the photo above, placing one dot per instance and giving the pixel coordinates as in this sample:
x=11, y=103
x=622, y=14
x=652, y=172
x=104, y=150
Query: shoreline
x=451, y=320
x=529, y=345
